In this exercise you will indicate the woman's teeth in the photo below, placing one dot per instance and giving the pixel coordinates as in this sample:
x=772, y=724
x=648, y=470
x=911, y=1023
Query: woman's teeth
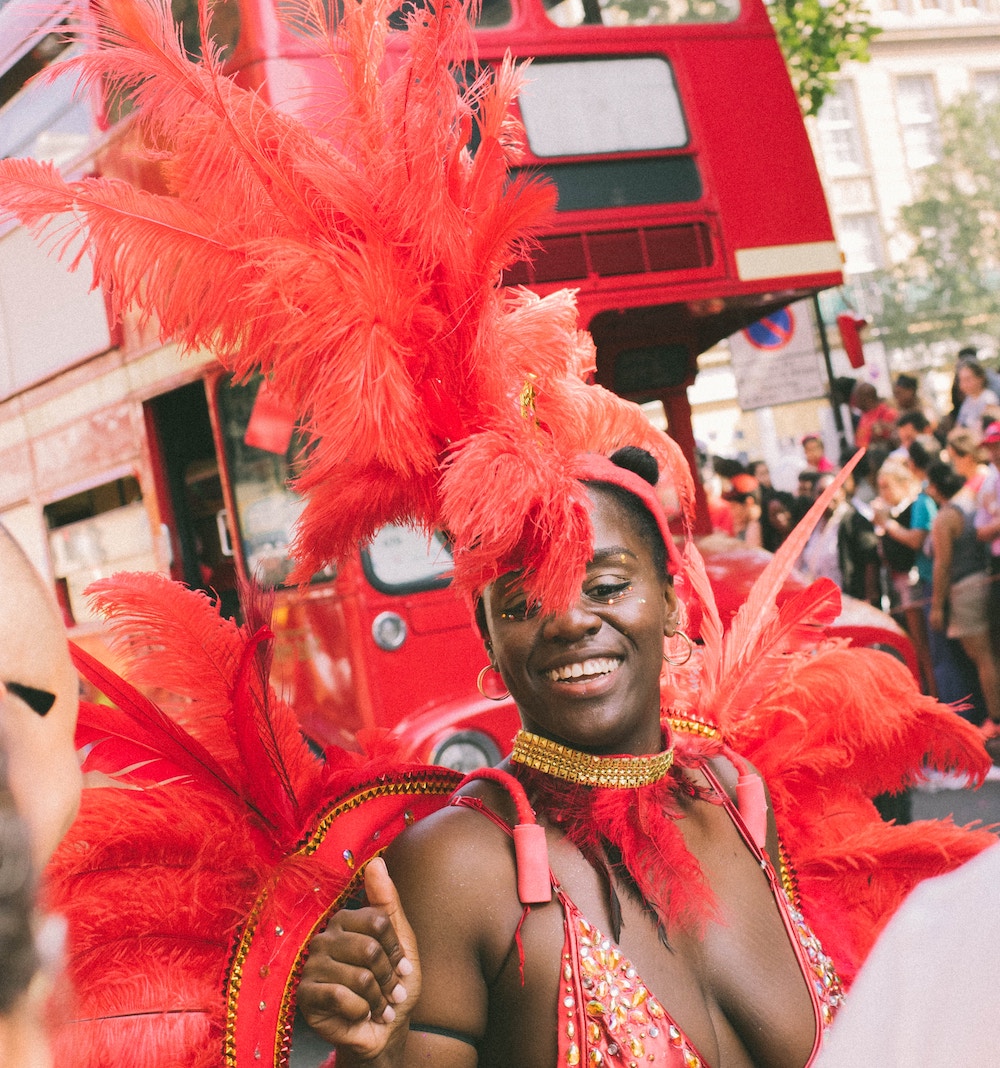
x=586, y=668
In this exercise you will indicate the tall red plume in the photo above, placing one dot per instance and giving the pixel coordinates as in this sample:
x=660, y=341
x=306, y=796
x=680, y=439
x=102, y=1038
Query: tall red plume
x=354, y=258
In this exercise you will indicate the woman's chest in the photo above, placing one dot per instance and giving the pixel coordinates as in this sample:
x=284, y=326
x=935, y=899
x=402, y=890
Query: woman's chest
x=730, y=992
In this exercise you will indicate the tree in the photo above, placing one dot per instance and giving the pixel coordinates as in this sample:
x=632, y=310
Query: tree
x=948, y=286
x=818, y=37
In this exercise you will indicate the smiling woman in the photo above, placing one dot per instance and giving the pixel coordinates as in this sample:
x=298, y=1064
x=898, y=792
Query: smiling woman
x=643, y=843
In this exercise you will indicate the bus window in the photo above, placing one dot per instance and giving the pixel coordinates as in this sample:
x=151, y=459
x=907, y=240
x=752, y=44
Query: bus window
x=568, y=13
x=599, y=106
x=403, y=560
x=267, y=510
x=92, y=535
x=492, y=13
x=46, y=119
x=225, y=31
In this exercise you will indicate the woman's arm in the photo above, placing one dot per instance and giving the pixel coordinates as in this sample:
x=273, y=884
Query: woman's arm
x=911, y=538
x=363, y=978
x=943, y=535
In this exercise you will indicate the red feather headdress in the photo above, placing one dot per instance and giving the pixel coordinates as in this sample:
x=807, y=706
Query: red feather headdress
x=356, y=263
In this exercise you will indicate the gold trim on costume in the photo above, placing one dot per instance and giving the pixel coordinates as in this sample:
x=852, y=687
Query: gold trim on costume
x=585, y=769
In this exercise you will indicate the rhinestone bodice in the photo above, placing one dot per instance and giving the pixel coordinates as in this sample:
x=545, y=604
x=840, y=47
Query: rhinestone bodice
x=608, y=1018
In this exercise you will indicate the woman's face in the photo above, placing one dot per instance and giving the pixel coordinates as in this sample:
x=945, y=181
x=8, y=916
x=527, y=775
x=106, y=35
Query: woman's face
x=780, y=517
x=589, y=677
x=969, y=382
x=813, y=450
x=891, y=490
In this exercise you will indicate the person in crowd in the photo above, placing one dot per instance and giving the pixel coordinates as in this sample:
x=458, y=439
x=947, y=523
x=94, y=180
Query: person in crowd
x=960, y=584
x=720, y=514
x=24, y=979
x=586, y=682
x=987, y=522
x=805, y=494
x=911, y=1007
x=866, y=477
x=955, y=678
x=843, y=547
x=759, y=470
x=903, y=515
x=573, y=972
x=840, y=420
x=970, y=352
x=40, y=784
x=977, y=396
x=910, y=426
x=905, y=395
x=776, y=520
x=743, y=497
x=877, y=420
x=813, y=449
x=775, y=507
x=964, y=449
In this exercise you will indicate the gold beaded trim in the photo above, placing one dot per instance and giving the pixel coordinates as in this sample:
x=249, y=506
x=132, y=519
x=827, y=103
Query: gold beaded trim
x=689, y=725
x=585, y=769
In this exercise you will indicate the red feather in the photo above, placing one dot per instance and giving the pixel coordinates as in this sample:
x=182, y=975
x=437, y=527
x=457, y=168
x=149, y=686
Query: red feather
x=144, y=729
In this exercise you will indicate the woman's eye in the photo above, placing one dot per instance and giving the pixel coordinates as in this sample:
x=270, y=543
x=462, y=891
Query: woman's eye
x=519, y=610
x=608, y=590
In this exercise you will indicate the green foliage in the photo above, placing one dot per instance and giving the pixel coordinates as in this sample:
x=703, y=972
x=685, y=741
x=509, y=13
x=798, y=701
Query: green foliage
x=949, y=284
x=818, y=37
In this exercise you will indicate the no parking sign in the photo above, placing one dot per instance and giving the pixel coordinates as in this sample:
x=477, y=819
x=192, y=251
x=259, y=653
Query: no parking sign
x=776, y=360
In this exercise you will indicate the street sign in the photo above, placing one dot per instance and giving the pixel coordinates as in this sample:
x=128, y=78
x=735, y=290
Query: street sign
x=776, y=360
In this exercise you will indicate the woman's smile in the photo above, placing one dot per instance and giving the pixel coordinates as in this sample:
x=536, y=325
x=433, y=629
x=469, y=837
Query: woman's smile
x=584, y=671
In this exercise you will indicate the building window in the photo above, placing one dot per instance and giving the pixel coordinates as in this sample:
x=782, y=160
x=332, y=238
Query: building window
x=92, y=535
x=918, y=120
x=986, y=85
x=840, y=139
x=861, y=242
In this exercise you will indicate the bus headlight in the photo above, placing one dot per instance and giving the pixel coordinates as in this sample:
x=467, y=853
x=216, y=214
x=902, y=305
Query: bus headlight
x=389, y=631
x=466, y=751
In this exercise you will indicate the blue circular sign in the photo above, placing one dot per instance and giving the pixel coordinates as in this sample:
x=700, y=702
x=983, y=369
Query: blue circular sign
x=774, y=331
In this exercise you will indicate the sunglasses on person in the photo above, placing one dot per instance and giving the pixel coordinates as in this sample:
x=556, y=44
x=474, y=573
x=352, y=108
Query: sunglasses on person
x=40, y=701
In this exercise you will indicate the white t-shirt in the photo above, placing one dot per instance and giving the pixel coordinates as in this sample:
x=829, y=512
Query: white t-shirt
x=971, y=410
x=929, y=994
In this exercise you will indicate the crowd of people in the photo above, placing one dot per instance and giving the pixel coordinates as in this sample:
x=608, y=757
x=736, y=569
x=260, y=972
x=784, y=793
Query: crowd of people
x=915, y=528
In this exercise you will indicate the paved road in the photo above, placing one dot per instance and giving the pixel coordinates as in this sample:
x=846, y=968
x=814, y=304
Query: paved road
x=940, y=798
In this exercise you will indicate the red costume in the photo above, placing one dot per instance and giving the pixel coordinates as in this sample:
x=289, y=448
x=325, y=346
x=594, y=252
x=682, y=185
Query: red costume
x=370, y=254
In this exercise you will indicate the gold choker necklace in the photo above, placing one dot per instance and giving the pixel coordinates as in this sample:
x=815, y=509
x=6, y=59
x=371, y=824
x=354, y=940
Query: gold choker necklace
x=584, y=769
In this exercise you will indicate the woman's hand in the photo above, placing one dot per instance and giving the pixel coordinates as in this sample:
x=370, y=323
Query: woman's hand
x=936, y=618
x=361, y=979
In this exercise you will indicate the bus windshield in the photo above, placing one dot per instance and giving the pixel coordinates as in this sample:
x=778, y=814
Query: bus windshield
x=403, y=560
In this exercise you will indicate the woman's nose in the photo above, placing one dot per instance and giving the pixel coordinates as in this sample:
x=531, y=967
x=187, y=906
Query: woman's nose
x=571, y=624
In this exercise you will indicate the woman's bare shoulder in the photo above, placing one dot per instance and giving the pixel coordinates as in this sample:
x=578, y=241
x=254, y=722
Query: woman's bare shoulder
x=447, y=845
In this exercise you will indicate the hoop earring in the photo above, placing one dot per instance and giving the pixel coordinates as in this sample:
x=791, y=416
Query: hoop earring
x=479, y=685
x=687, y=653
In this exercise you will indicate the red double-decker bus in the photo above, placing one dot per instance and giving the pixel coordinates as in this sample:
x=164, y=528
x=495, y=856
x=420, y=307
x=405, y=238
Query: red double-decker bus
x=689, y=205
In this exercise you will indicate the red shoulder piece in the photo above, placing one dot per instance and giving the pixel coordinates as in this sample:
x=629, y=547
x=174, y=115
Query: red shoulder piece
x=194, y=882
